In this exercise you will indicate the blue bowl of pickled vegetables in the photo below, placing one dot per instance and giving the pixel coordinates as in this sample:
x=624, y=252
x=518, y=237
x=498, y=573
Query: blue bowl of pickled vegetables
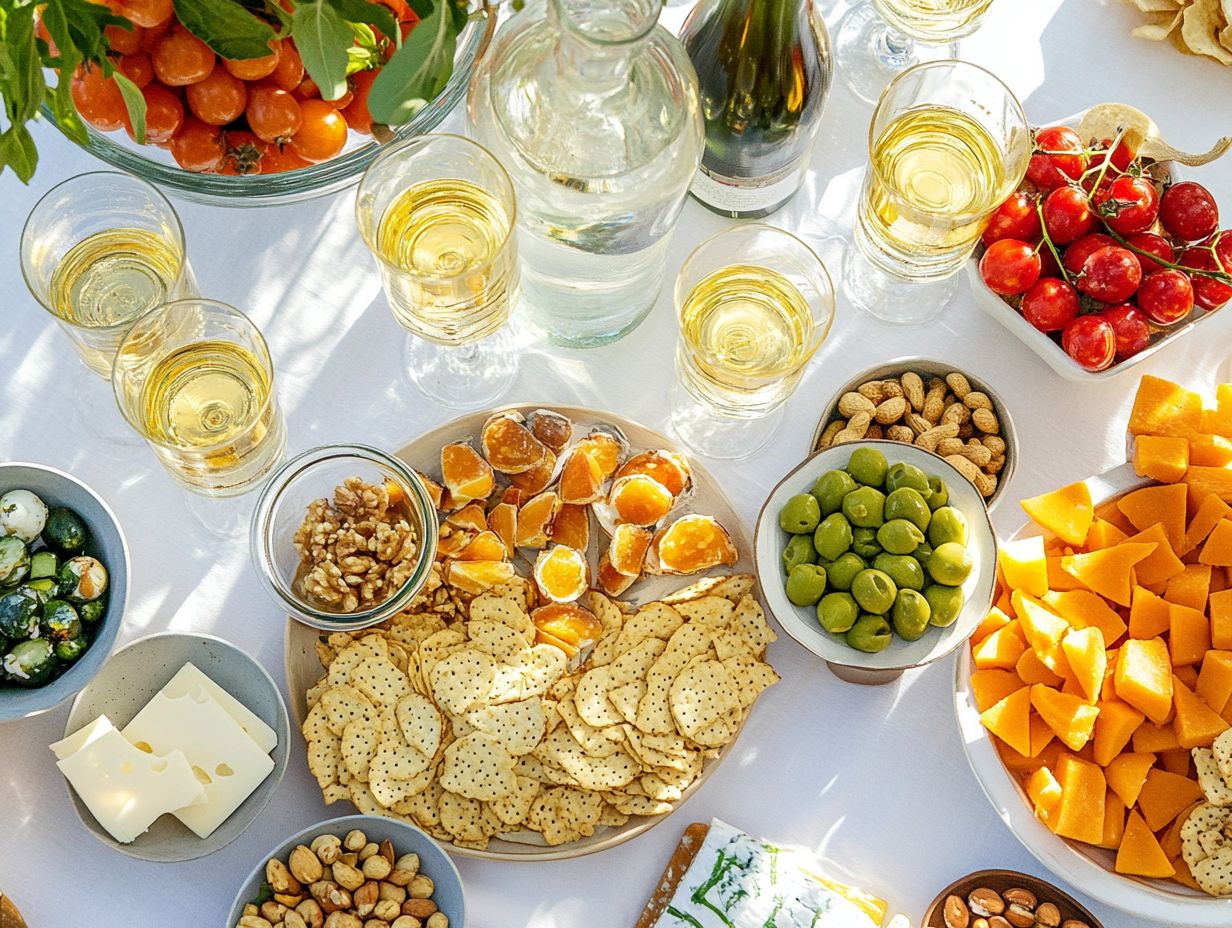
x=63, y=587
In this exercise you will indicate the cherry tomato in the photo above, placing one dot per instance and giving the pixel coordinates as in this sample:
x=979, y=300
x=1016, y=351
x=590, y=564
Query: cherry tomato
x=1122, y=156
x=1156, y=245
x=97, y=98
x=306, y=89
x=136, y=68
x=152, y=35
x=1050, y=305
x=1016, y=218
x=180, y=58
x=1048, y=264
x=1010, y=267
x=1188, y=211
x=1075, y=256
x=40, y=30
x=1209, y=293
x=218, y=99
x=1110, y=274
x=1067, y=215
x=401, y=9
x=1059, y=158
x=197, y=146
x=358, y=118
x=289, y=71
x=164, y=114
x=123, y=41
x=322, y=133
x=1091, y=341
x=253, y=69
x=273, y=114
x=144, y=12
x=1129, y=204
x=1133, y=331
x=245, y=154
x=281, y=158
x=1166, y=296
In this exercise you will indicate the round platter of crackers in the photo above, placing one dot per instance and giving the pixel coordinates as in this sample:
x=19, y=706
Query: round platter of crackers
x=583, y=656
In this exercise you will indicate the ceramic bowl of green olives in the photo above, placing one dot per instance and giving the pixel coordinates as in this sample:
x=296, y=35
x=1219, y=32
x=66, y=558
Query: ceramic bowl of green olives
x=63, y=587
x=877, y=556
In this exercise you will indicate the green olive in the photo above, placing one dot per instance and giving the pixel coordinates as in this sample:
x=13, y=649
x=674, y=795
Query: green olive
x=800, y=514
x=868, y=466
x=798, y=550
x=910, y=615
x=907, y=503
x=874, y=590
x=871, y=634
x=946, y=603
x=841, y=571
x=833, y=536
x=899, y=537
x=864, y=543
x=837, y=612
x=903, y=569
x=949, y=564
x=805, y=584
x=865, y=507
x=830, y=488
x=907, y=475
x=941, y=493
x=922, y=552
x=948, y=524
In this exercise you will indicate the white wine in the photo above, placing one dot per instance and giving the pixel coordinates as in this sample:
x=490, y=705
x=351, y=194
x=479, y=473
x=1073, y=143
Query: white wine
x=744, y=329
x=108, y=280
x=936, y=174
x=934, y=21
x=452, y=260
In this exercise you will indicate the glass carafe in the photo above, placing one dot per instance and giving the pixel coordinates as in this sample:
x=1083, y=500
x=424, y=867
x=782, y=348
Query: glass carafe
x=593, y=109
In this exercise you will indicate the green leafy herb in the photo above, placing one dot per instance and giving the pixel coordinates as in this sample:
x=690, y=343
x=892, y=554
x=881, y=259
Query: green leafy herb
x=375, y=14
x=418, y=71
x=135, y=103
x=322, y=37
x=226, y=26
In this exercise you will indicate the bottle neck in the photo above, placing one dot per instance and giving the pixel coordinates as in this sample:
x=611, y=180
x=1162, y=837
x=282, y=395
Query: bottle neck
x=600, y=52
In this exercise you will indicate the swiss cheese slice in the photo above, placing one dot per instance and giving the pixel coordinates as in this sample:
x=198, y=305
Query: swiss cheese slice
x=189, y=679
x=69, y=746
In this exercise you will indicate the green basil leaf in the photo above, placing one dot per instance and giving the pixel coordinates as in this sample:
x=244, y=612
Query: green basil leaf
x=84, y=21
x=322, y=37
x=67, y=118
x=368, y=11
x=21, y=75
x=17, y=151
x=226, y=27
x=418, y=71
x=134, y=102
x=457, y=9
x=422, y=8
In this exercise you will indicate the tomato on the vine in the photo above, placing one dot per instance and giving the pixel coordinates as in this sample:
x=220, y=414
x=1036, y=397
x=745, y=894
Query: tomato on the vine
x=245, y=153
x=273, y=114
x=1010, y=267
x=281, y=158
x=218, y=99
x=1091, y=341
x=123, y=41
x=1016, y=218
x=322, y=132
x=145, y=12
x=197, y=146
x=1166, y=296
x=1209, y=292
x=1075, y=256
x=1122, y=156
x=253, y=69
x=136, y=68
x=358, y=118
x=180, y=58
x=164, y=114
x=1128, y=204
x=1059, y=158
x=97, y=98
x=1132, y=329
x=1188, y=211
x=1156, y=245
x=1067, y=215
x=289, y=71
x=1050, y=305
x=1110, y=274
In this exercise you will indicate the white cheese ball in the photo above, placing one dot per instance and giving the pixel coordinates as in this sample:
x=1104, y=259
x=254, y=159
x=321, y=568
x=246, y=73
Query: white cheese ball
x=22, y=514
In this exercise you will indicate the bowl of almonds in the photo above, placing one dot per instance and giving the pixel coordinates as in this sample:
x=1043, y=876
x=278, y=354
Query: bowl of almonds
x=352, y=872
x=931, y=405
x=1006, y=899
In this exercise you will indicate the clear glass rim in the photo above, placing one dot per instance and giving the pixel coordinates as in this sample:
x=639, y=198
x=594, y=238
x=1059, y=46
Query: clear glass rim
x=176, y=306
x=113, y=176
x=392, y=151
x=261, y=536
x=927, y=66
x=821, y=332
x=570, y=24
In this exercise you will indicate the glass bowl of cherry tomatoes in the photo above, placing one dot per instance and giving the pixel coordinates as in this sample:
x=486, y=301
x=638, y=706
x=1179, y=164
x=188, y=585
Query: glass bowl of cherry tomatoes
x=1101, y=256
x=217, y=129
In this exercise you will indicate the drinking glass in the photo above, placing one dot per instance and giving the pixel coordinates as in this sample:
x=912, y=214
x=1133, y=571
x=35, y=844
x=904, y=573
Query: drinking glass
x=195, y=380
x=947, y=144
x=98, y=251
x=878, y=39
x=754, y=304
x=438, y=213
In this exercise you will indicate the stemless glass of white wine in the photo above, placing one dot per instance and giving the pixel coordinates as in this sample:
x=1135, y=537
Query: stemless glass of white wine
x=195, y=380
x=877, y=39
x=947, y=144
x=754, y=304
x=437, y=212
x=98, y=251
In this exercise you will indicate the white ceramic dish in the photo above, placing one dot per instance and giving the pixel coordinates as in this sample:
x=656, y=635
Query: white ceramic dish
x=130, y=679
x=801, y=622
x=1088, y=868
x=406, y=839
x=303, y=668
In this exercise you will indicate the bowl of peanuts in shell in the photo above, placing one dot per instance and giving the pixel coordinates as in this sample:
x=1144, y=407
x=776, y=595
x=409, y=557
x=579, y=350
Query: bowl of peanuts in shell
x=934, y=406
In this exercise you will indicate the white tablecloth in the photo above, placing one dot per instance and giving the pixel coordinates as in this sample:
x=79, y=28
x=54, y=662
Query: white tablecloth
x=873, y=777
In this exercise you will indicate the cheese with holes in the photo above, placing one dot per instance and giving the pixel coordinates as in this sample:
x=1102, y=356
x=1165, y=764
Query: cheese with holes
x=124, y=788
x=225, y=759
x=81, y=737
x=189, y=680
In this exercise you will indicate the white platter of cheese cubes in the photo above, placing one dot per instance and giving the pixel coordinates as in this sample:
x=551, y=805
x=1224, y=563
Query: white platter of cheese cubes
x=175, y=747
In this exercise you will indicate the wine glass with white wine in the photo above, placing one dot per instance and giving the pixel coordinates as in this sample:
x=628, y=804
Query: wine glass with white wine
x=437, y=212
x=947, y=144
x=878, y=39
x=754, y=304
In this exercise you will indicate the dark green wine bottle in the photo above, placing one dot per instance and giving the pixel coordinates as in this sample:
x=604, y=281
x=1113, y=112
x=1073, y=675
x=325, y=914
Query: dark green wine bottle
x=764, y=68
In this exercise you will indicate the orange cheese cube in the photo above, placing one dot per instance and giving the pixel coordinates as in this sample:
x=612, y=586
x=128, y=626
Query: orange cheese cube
x=1084, y=609
x=1164, y=796
x=1010, y=720
x=1162, y=407
x=1127, y=773
x=1217, y=549
x=1196, y=724
x=1024, y=565
x=1110, y=572
x=1203, y=481
x=989, y=687
x=1191, y=587
x=1070, y=717
x=1139, y=853
x=1087, y=658
x=995, y=619
x=1189, y=635
x=1175, y=762
x=1215, y=680
x=1080, y=814
x=1155, y=739
x=1030, y=669
x=1221, y=619
x=1209, y=451
x=1161, y=457
x=1144, y=678
x=1148, y=616
x=1211, y=510
x=1045, y=793
x=1114, y=821
x=1162, y=564
x=1103, y=534
x=1066, y=513
x=1164, y=504
x=1115, y=725
x=1001, y=649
